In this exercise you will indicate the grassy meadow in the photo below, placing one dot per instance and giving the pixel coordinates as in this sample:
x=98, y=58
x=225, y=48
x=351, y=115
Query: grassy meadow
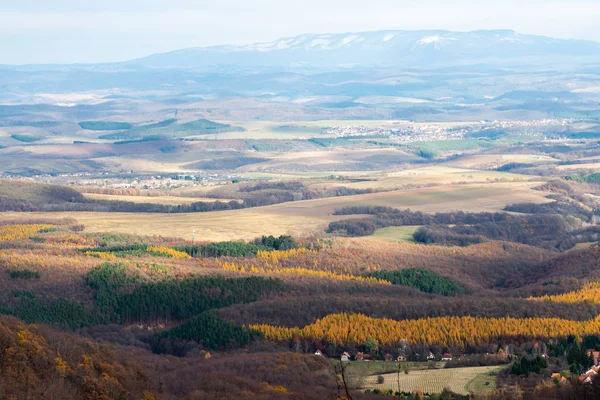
x=394, y=234
x=458, y=380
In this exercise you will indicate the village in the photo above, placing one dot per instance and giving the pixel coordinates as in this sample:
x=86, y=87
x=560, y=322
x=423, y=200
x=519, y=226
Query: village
x=134, y=182
x=589, y=375
x=365, y=357
x=409, y=133
x=559, y=378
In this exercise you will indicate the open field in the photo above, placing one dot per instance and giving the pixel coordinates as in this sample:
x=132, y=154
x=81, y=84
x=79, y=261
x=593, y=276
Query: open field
x=214, y=226
x=582, y=246
x=483, y=383
x=301, y=218
x=489, y=161
x=313, y=175
x=472, y=197
x=459, y=380
x=394, y=234
x=166, y=200
x=383, y=367
x=333, y=160
x=572, y=167
x=435, y=175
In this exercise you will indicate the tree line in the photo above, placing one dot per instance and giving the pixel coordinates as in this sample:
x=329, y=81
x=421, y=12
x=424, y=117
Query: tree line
x=460, y=332
x=420, y=279
x=461, y=228
x=208, y=329
x=239, y=249
x=125, y=299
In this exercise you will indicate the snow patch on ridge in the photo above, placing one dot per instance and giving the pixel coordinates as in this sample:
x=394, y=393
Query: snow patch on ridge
x=435, y=40
x=318, y=43
x=349, y=39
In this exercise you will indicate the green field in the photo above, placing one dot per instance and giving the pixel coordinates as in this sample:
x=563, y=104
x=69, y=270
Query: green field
x=483, y=383
x=395, y=234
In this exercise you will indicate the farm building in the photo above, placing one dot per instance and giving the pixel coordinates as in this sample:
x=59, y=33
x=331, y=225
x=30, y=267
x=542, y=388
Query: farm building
x=319, y=353
x=388, y=357
x=595, y=355
x=360, y=356
x=589, y=375
x=345, y=357
x=430, y=357
x=447, y=357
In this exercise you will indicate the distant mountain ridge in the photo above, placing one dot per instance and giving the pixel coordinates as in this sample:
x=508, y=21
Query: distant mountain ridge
x=391, y=48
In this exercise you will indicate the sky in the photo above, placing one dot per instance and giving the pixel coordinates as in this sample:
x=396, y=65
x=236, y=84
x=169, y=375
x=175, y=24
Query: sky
x=85, y=31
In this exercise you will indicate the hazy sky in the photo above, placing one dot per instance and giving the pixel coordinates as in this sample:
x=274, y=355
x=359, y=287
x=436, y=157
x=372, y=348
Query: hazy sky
x=66, y=31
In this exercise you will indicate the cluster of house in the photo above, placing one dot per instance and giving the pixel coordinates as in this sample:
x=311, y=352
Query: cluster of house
x=589, y=375
x=427, y=132
x=360, y=356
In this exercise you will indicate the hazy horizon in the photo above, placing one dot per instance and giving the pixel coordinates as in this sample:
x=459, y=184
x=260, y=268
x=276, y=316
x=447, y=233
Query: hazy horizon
x=33, y=32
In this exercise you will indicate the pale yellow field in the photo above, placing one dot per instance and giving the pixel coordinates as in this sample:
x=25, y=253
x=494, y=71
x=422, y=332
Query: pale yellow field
x=326, y=157
x=436, y=175
x=592, y=166
x=167, y=200
x=338, y=154
x=310, y=175
x=490, y=161
x=301, y=217
x=596, y=158
x=433, y=381
x=469, y=197
x=214, y=226
x=67, y=149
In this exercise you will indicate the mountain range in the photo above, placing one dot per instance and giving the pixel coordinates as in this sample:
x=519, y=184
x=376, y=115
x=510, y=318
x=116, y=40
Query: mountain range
x=358, y=75
x=432, y=48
